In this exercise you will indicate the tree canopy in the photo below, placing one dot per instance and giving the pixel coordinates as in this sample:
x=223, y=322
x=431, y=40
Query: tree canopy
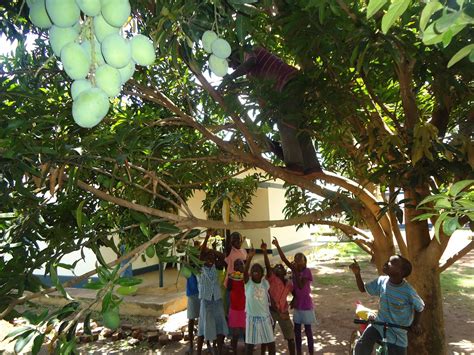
x=387, y=114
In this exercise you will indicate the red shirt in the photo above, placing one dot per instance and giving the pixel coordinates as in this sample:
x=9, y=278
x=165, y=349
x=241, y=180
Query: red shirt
x=279, y=292
x=237, y=295
x=270, y=67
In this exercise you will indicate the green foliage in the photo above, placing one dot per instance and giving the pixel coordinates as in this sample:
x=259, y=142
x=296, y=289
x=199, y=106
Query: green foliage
x=449, y=207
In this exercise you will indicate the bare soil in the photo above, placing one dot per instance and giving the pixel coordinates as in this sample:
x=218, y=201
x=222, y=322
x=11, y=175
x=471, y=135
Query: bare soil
x=334, y=295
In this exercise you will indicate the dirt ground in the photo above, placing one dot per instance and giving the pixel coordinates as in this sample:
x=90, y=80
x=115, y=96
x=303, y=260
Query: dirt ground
x=334, y=295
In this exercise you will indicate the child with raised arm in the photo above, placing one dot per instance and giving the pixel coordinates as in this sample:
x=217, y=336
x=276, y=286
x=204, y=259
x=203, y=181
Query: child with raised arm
x=280, y=288
x=258, y=327
x=399, y=304
x=236, y=287
x=212, y=322
x=303, y=313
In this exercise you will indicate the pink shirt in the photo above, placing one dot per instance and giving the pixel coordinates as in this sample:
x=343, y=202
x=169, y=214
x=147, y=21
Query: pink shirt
x=231, y=258
x=279, y=292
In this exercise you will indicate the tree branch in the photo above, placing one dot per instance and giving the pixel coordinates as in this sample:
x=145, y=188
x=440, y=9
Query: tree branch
x=457, y=256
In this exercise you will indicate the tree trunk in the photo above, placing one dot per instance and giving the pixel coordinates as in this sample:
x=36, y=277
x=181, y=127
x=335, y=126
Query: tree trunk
x=426, y=280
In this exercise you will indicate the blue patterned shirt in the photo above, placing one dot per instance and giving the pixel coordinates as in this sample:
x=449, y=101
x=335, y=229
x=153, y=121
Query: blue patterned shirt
x=398, y=304
x=208, y=284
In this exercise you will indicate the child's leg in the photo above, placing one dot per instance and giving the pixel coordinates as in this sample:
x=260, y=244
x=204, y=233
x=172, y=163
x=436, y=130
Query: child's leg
x=298, y=338
x=220, y=343
x=366, y=342
x=263, y=349
x=191, y=334
x=235, y=339
x=200, y=341
x=271, y=348
x=291, y=346
x=248, y=349
x=309, y=337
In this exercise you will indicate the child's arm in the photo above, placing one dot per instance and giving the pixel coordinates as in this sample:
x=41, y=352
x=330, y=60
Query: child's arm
x=355, y=268
x=415, y=327
x=263, y=246
x=282, y=255
x=250, y=255
x=229, y=284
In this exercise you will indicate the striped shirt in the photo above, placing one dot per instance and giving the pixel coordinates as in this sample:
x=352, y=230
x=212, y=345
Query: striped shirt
x=269, y=67
x=208, y=284
x=397, y=305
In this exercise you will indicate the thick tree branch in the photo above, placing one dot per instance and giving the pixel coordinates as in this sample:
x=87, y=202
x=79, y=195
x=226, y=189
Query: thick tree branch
x=457, y=256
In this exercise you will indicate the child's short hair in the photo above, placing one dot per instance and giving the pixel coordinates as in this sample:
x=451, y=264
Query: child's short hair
x=235, y=235
x=405, y=265
x=258, y=266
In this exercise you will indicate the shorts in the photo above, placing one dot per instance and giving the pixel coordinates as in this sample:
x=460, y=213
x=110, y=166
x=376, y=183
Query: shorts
x=286, y=325
x=194, y=305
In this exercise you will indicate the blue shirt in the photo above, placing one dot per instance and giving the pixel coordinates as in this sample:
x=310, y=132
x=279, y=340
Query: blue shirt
x=256, y=298
x=208, y=284
x=192, y=286
x=398, y=304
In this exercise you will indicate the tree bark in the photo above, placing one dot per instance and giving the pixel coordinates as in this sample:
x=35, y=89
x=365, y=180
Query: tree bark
x=426, y=280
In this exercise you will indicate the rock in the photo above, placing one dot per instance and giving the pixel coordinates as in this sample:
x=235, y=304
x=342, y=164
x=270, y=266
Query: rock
x=133, y=341
x=97, y=330
x=117, y=336
x=176, y=336
x=137, y=334
x=126, y=326
x=163, y=339
x=107, y=333
x=153, y=337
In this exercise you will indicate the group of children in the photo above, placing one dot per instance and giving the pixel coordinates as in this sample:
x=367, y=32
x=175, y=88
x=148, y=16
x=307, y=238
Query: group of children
x=251, y=302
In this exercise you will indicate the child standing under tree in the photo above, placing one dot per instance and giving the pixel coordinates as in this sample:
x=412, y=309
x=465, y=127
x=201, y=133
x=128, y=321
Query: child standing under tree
x=258, y=327
x=280, y=288
x=303, y=313
x=236, y=287
x=212, y=322
x=399, y=304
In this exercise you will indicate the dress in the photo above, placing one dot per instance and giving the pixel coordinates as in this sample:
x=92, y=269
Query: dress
x=304, y=311
x=212, y=320
x=237, y=302
x=258, y=329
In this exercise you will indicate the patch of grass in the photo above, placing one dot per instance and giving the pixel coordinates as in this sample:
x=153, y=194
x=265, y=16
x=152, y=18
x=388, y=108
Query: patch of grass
x=340, y=250
x=457, y=284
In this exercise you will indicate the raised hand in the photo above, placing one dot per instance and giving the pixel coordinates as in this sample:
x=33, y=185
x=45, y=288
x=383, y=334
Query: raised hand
x=275, y=242
x=251, y=252
x=355, y=268
x=263, y=246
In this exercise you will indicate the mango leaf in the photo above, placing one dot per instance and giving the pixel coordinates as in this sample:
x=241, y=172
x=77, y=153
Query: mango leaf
x=460, y=185
x=423, y=216
x=16, y=332
x=396, y=9
x=374, y=6
x=129, y=281
x=438, y=223
x=37, y=343
x=24, y=340
x=463, y=52
x=80, y=215
x=145, y=230
x=450, y=225
x=87, y=324
x=166, y=227
x=429, y=10
x=444, y=22
x=54, y=278
x=430, y=198
x=443, y=203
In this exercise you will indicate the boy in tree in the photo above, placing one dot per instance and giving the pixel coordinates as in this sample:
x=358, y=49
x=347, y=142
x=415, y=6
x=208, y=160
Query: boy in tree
x=283, y=97
x=399, y=304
